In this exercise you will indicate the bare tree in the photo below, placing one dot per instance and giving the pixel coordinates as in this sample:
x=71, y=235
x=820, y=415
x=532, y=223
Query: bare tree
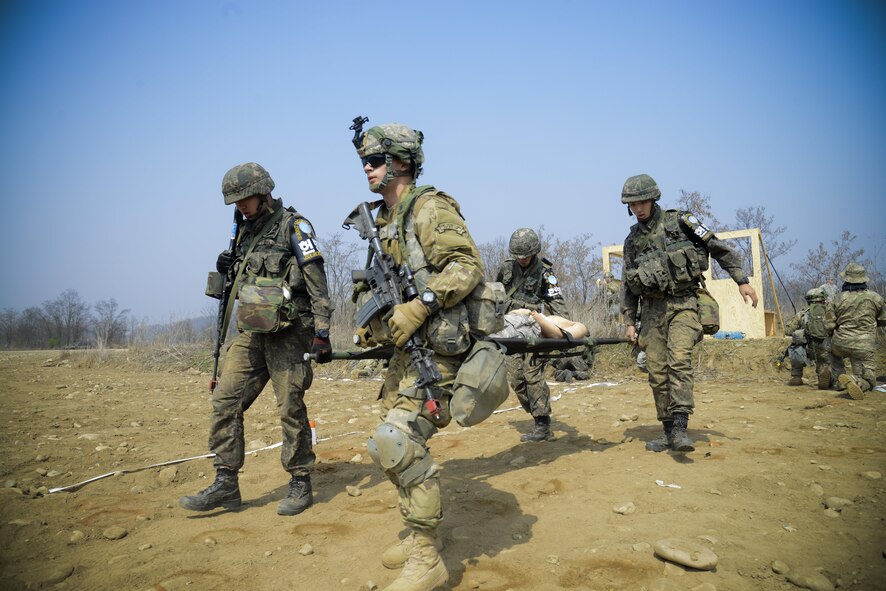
x=8, y=322
x=68, y=317
x=109, y=323
x=493, y=255
x=823, y=263
x=577, y=265
x=700, y=205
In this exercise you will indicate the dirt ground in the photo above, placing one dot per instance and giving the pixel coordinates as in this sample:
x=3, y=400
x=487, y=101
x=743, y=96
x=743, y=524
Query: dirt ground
x=518, y=516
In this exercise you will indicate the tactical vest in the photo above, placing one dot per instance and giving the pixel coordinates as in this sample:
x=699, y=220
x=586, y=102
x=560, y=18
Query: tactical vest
x=272, y=261
x=448, y=331
x=525, y=288
x=666, y=260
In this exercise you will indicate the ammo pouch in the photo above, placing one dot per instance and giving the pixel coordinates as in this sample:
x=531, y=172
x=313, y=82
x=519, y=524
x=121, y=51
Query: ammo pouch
x=487, y=305
x=215, y=285
x=650, y=276
x=480, y=386
x=708, y=311
x=265, y=304
x=447, y=332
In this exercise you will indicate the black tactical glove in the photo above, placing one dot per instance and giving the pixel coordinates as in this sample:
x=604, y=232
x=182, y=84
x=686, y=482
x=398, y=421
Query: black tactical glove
x=322, y=349
x=224, y=261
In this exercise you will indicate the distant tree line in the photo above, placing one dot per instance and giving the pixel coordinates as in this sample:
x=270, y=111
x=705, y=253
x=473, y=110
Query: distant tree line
x=67, y=321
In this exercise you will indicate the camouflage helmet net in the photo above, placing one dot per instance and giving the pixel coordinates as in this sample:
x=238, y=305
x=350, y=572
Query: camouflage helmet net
x=524, y=243
x=640, y=188
x=246, y=180
x=816, y=294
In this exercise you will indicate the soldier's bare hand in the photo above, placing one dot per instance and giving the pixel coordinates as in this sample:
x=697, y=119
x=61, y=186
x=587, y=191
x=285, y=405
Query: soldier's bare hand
x=746, y=292
x=631, y=333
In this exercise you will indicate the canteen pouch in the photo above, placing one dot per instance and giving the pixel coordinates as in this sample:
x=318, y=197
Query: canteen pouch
x=708, y=311
x=215, y=285
x=487, y=305
x=264, y=304
x=480, y=385
x=447, y=332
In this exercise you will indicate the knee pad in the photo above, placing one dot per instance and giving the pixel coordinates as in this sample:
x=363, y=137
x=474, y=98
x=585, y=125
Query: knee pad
x=404, y=461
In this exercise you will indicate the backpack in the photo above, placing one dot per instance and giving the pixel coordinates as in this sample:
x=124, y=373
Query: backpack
x=816, y=324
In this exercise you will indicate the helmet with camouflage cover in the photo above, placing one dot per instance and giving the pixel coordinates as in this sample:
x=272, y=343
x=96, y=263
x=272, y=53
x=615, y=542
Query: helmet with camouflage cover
x=246, y=180
x=816, y=294
x=524, y=243
x=640, y=188
x=394, y=140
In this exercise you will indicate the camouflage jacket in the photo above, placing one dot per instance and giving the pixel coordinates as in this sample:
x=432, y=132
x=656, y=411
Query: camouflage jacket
x=287, y=247
x=535, y=287
x=666, y=257
x=858, y=314
x=435, y=241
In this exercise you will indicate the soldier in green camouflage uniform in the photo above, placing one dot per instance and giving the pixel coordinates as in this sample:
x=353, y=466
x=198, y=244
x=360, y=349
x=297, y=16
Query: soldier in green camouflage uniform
x=859, y=312
x=422, y=226
x=530, y=283
x=283, y=313
x=664, y=257
x=810, y=329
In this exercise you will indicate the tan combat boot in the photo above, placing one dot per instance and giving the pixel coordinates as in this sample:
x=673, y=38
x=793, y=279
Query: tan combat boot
x=795, y=381
x=395, y=556
x=846, y=382
x=424, y=569
x=824, y=378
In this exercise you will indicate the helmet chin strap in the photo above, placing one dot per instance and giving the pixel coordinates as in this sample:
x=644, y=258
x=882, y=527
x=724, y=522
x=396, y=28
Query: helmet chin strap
x=390, y=173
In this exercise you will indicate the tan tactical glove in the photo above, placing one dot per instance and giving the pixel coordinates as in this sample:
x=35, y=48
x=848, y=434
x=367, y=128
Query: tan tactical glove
x=406, y=319
x=363, y=337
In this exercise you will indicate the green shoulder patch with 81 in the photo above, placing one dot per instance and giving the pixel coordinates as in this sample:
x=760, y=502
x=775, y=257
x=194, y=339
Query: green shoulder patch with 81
x=304, y=243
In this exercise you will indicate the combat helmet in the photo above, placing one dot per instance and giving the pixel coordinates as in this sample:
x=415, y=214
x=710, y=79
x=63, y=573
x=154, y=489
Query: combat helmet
x=524, y=243
x=394, y=140
x=854, y=273
x=816, y=294
x=246, y=180
x=640, y=188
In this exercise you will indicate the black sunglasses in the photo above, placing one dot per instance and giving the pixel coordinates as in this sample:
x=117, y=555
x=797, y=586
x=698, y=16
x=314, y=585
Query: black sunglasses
x=375, y=161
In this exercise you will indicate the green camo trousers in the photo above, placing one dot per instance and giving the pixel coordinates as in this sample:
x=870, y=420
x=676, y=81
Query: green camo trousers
x=528, y=382
x=253, y=360
x=669, y=331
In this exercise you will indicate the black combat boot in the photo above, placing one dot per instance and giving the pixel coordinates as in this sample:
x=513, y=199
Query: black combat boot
x=663, y=441
x=541, y=431
x=300, y=496
x=224, y=492
x=679, y=440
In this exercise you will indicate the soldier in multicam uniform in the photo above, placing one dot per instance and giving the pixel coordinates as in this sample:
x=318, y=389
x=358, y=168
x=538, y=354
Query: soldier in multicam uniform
x=424, y=227
x=810, y=329
x=664, y=257
x=276, y=255
x=530, y=283
x=859, y=311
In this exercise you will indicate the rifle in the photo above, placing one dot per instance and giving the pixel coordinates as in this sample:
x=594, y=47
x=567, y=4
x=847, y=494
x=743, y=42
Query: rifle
x=391, y=285
x=220, y=322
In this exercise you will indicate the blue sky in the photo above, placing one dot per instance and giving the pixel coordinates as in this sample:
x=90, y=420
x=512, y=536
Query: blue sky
x=119, y=120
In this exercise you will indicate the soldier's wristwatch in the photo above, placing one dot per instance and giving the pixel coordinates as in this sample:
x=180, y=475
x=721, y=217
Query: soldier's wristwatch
x=429, y=299
x=323, y=333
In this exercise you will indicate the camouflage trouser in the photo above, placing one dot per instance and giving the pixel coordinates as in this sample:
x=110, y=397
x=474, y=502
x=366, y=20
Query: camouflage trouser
x=862, y=359
x=252, y=360
x=669, y=332
x=816, y=350
x=528, y=382
x=420, y=504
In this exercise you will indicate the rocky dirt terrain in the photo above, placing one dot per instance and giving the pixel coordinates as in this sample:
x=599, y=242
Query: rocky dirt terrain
x=786, y=483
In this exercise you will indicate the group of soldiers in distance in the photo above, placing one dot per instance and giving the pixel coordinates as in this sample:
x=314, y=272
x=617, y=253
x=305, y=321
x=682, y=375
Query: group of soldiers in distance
x=275, y=270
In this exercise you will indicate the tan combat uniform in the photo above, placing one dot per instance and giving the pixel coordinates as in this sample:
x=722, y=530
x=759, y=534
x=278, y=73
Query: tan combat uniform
x=254, y=358
x=858, y=314
x=443, y=257
x=663, y=265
